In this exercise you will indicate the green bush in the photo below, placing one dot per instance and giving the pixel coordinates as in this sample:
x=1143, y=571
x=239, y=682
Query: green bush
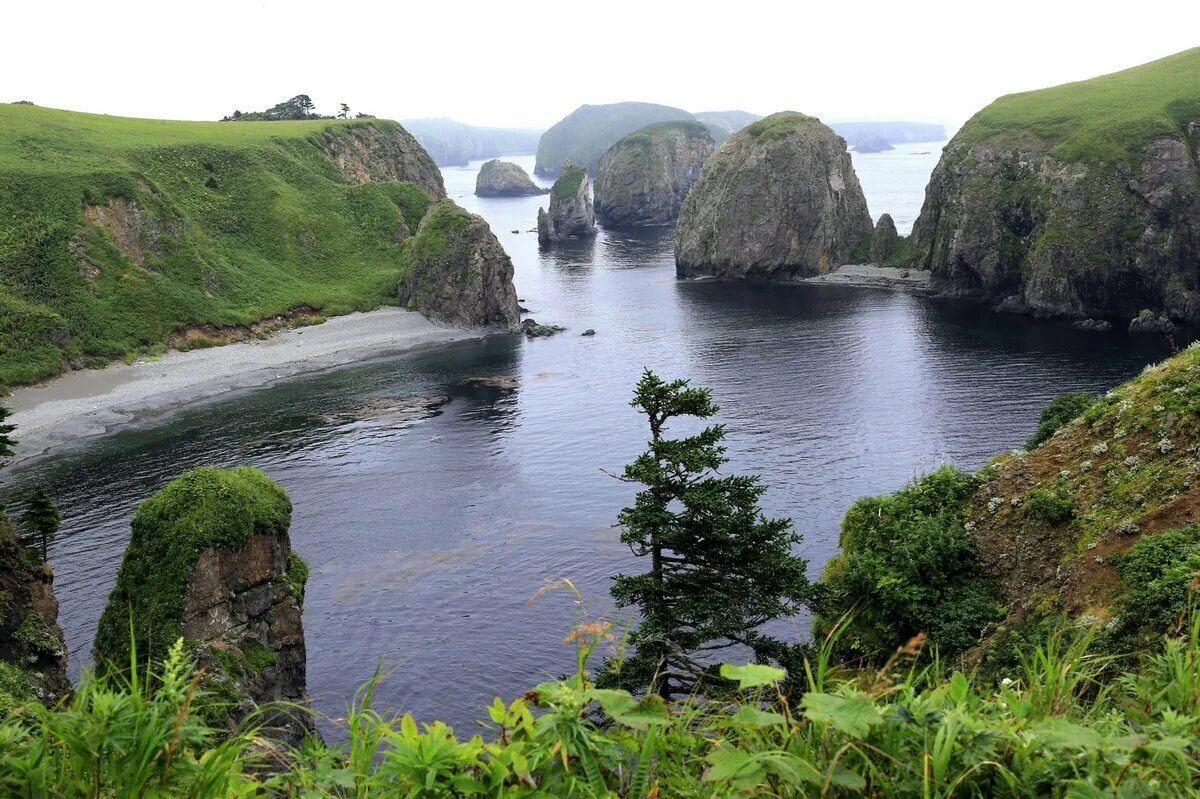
x=1061, y=411
x=908, y=566
x=1158, y=572
x=1049, y=506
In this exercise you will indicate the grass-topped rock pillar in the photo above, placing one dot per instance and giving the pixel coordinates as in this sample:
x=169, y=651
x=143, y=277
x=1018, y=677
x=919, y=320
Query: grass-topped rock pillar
x=210, y=561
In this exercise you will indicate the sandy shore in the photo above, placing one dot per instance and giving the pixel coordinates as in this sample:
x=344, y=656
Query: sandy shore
x=85, y=404
x=877, y=276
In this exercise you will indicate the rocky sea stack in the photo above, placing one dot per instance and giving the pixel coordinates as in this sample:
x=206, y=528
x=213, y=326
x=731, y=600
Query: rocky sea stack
x=33, y=656
x=457, y=273
x=778, y=201
x=571, y=214
x=1081, y=200
x=644, y=178
x=505, y=179
x=210, y=561
x=884, y=241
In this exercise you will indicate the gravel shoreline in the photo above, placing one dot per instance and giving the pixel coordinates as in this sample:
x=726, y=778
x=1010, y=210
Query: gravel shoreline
x=82, y=405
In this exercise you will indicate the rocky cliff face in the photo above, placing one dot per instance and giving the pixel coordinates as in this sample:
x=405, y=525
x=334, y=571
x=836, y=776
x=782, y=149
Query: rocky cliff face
x=1052, y=203
x=778, y=201
x=33, y=655
x=457, y=273
x=382, y=150
x=210, y=561
x=571, y=214
x=884, y=240
x=504, y=179
x=644, y=178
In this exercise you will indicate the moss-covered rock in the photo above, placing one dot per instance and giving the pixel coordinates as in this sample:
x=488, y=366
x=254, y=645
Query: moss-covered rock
x=457, y=273
x=571, y=214
x=644, y=178
x=210, y=561
x=778, y=201
x=1081, y=200
x=884, y=241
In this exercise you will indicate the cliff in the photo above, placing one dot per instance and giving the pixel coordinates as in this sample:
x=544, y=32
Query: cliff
x=498, y=178
x=571, y=214
x=33, y=655
x=643, y=178
x=1082, y=200
x=457, y=273
x=583, y=135
x=210, y=561
x=451, y=143
x=117, y=234
x=778, y=201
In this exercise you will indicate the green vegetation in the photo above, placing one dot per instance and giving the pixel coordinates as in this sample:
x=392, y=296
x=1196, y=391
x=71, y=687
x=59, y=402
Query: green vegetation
x=719, y=570
x=41, y=517
x=568, y=183
x=777, y=126
x=908, y=567
x=1052, y=506
x=583, y=135
x=297, y=576
x=1109, y=118
x=1060, y=412
x=1159, y=573
x=204, y=508
x=6, y=440
x=117, y=234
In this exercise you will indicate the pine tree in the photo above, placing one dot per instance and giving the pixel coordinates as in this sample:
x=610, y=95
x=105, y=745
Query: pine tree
x=41, y=517
x=719, y=569
x=343, y=111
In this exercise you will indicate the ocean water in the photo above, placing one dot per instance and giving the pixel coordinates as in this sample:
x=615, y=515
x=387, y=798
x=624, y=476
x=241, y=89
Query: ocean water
x=428, y=540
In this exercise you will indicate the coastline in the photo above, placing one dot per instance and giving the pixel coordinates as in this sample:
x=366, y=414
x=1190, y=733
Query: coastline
x=886, y=277
x=84, y=405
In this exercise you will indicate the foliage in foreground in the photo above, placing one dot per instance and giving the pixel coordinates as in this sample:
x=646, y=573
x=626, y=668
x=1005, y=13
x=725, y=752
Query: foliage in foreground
x=1053, y=729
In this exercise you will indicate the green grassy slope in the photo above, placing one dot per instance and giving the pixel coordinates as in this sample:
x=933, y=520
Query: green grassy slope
x=1106, y=118
x=235, y=223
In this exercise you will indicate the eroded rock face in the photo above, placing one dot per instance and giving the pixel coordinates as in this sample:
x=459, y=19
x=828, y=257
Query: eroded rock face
x=644, y=178
x=884, y=240
x=382, y=151
x=571, y=214
x=1008, y=222
x=457, y=272
x=33, y=653
x=210, y=561
x=778, y=201
x=505, y=179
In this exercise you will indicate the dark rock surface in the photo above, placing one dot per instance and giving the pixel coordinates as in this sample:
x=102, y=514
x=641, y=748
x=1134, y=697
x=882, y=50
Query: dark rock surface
x=382, y=151
x=505, y=179
x=644, y=178
x=571, y=214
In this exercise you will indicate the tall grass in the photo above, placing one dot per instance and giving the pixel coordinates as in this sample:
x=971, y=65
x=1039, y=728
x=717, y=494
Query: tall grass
x=913, y=728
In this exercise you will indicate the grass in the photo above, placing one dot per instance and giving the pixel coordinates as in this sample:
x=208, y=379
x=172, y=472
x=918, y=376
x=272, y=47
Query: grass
x=1108, y=118
x=777, y=126
x=235, y=223
x=568, y=183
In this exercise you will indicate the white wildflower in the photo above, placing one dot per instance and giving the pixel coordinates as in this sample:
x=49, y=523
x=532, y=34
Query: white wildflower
x=1100, y=448
x=1165, y=445
x=1086, y=466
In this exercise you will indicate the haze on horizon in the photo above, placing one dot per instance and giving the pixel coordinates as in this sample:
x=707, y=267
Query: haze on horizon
x=527, y=64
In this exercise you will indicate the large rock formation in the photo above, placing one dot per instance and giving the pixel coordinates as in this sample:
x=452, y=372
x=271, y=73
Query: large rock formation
x=505, y=179
x=778, y=201
x=1053, y=203
x=571, y=214
x=382, y=150
x=457, y=273
x=583, y=135
x=643, y=178
x=33, y=655
x=884, y=241
x=871, y=143
x=210, y=561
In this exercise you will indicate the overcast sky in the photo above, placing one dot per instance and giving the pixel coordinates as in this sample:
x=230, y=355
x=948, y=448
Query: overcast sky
x=527, y=64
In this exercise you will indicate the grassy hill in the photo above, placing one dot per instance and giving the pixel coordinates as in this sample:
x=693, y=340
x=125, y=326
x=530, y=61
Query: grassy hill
x=1109, y=117
x=120, y=234
x=583, y=135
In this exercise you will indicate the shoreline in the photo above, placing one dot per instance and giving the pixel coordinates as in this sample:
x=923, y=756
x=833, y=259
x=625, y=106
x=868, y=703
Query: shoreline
x=886, y=277
x=77, y=407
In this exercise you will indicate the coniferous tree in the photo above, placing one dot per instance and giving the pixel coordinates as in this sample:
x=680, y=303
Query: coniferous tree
x=343, y=111
x=41, y=517
x=719, y=569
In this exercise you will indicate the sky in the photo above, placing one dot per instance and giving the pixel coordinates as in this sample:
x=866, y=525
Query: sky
x=528, y=64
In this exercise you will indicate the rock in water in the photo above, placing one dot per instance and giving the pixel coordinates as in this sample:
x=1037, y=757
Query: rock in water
x=1053, y=200
x=643, y=178
x=457, y=273
x=571, y=214
x=505, y=179
x=210, y=561
x=872, y=143
x=884, y=240
x=33, y=655
x=778, y=201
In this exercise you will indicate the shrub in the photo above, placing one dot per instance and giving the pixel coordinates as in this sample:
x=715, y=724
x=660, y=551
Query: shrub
x=1052, y=506
x=1060, y=412
x=1158, y=572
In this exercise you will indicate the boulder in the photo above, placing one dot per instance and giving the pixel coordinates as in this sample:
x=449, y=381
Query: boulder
x=33, y=655
x=778, y=201
x=571, y=214
x=210, y=561
x=644, y=178
x=505, y=179
x=884, y=240
x=1149, y=322
x=456, y=272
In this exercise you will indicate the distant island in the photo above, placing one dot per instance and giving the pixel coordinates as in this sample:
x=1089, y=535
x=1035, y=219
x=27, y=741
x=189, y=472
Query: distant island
x=452, y=143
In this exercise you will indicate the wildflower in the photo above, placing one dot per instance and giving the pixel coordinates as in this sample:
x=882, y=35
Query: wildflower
x=1132, y=462
x=1015, y=502
x=1165, y=445
x=1127, y=527
x=994, y=503
x=1064, y=474
x=1100, y=448
x=1085, y=467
